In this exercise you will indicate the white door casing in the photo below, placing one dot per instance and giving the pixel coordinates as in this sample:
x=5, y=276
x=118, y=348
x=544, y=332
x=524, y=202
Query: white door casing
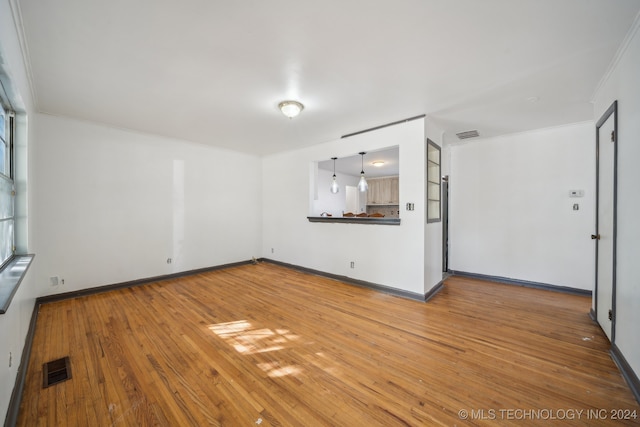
x=606, y=140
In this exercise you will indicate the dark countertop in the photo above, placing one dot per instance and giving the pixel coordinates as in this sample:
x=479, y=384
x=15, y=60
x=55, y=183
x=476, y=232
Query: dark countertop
x=355, y=220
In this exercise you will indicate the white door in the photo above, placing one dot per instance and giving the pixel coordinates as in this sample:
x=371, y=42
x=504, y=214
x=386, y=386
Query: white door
x=605, y=232
x=352, y=199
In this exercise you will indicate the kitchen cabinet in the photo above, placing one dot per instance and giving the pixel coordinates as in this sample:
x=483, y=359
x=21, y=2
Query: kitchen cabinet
x=383, y=191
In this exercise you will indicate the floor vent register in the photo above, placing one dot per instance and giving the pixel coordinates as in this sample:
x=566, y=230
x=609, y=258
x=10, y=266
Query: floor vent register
x=56, y=371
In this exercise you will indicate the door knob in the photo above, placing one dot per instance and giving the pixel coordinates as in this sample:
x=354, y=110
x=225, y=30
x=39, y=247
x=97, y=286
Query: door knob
x=595, y=237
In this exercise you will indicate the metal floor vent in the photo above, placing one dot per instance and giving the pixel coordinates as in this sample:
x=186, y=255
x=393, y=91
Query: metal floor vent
x=56, y=371
x=468, y=134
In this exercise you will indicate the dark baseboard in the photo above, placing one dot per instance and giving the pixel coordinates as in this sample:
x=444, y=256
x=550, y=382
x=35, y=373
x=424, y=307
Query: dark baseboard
x=16, y=395
x=350, y=281
x=627, y=372
x=129, y=284
x=592, y=315
x=433, y=291
x=524, y=283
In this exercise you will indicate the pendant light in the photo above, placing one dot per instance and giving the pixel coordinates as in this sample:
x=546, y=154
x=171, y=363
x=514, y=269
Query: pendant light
x=362, y=185
x=334, y=184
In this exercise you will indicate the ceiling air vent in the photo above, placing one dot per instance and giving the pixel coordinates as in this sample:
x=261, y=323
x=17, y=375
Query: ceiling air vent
x=468, y=134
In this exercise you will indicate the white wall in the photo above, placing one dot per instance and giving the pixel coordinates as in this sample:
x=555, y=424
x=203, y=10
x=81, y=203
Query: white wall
x=387, y=255
x=623, y=85
x=115, y=204
x=510, y=211
x=14, y=324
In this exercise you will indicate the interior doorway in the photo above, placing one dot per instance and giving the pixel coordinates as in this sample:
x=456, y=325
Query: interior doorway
x=605, y=235
x=445, y=223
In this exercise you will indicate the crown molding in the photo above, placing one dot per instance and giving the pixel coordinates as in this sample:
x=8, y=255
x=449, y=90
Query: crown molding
x=16, y=12
x=622, y=50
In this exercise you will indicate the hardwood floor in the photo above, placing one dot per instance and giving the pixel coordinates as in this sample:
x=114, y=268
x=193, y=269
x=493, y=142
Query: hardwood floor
x=270, y=346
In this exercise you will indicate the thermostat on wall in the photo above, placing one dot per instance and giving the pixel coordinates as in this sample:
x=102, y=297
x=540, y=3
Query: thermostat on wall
x=576, y=193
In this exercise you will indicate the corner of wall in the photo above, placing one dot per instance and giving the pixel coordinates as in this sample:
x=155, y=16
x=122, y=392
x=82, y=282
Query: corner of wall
x=433, y=231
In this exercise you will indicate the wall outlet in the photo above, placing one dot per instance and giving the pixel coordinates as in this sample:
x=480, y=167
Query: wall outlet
x=10, y=359
x=272, y=250
x=353, y=264
x=169, y=260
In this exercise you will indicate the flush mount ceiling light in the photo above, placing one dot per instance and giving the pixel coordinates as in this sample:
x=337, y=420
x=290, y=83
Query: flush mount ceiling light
x=334, y=184
x=378, y=163
x=362, y=185
x=290, y=108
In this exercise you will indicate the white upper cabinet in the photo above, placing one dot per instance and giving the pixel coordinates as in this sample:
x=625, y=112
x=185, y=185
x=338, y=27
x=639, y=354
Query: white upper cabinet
x=383, y=191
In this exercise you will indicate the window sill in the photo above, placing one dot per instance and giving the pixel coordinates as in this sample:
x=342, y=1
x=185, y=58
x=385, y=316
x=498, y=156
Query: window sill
x=10, y=278
x=355, y=220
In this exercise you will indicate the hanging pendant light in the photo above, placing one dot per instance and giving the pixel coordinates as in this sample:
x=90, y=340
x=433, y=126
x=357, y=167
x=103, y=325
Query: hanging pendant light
x=334, y=184
x=362, y=185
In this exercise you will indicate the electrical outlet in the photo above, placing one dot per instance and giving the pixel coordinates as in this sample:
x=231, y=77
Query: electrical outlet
x=10, y=359
x=272, y=250
x=169, y=260
x=353, y=264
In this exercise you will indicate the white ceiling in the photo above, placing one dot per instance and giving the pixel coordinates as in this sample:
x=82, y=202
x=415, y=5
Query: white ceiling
x=352, y=165
x=214, y=72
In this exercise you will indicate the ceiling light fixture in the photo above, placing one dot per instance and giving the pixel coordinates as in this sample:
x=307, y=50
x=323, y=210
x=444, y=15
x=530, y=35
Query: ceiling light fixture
x=334, y=184
x=362, y=185
x=290, y=108
x=378, y=163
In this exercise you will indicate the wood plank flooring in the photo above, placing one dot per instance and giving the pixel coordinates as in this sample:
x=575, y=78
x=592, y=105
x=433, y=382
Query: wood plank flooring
x=270, y=346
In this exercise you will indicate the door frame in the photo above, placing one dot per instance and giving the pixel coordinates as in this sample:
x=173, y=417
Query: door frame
x=612, y=110
x=445, y=223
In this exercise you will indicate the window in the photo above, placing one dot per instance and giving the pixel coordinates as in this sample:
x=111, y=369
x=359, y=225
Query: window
x=433, y=182
x=7, y=194
x=13, y=267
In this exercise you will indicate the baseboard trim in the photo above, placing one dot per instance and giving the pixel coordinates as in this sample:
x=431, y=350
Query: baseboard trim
x=523, y=283
x=592, y=315
x=16, y=395
x=627, y=372
x=433, y=291
x=132, y=283
x=350, y=281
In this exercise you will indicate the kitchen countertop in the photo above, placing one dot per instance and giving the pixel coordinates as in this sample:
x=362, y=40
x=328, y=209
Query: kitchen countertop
x=355, y=220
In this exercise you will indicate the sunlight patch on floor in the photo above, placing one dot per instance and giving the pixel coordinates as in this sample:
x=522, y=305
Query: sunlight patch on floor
x=274, y=370
x=246, y=339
